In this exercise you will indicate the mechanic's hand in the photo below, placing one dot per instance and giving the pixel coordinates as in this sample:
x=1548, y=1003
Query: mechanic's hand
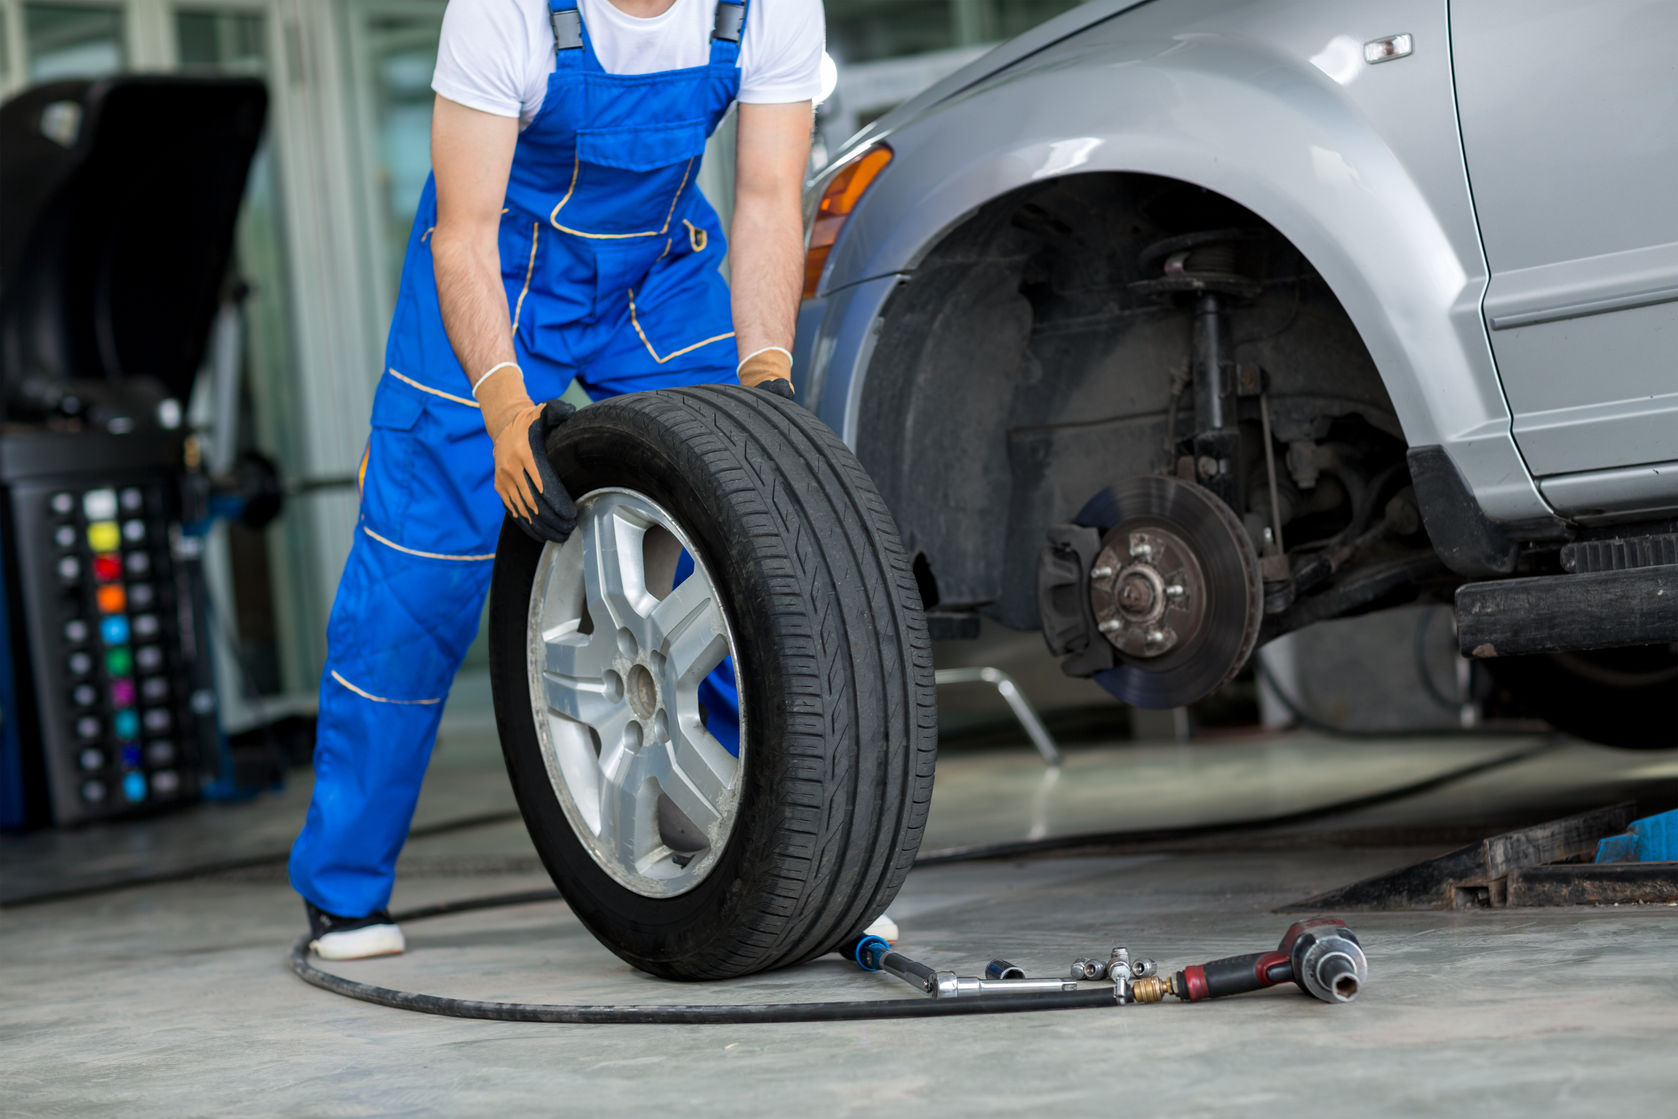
x=780, y=386
x=526, y=483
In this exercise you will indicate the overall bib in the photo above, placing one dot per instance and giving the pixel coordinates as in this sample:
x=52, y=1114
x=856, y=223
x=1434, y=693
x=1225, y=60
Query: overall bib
x=609, y=254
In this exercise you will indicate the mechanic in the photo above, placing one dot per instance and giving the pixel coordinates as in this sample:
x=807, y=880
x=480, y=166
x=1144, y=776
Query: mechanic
x=560, y=236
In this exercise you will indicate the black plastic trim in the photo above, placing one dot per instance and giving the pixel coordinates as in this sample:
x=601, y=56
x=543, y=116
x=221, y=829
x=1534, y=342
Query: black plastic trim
x=1620, y=553
x=952, y=626
x=1469, y=542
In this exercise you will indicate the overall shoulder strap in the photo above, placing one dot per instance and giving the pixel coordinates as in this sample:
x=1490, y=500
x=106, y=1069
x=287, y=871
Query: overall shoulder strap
x=726, y=33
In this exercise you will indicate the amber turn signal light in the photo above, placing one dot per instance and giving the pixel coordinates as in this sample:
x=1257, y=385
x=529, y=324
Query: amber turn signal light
x=838, y=200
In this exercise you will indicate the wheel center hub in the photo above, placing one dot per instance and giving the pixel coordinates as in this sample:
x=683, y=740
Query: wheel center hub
x=1146, y=590
x=642, y=691
x=1141, y=594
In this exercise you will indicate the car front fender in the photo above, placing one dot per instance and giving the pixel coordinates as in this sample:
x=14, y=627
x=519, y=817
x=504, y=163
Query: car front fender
x=1358, y=165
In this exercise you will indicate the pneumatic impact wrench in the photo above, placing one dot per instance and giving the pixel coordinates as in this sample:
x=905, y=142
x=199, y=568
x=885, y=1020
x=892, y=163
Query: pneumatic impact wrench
x=1321, y=955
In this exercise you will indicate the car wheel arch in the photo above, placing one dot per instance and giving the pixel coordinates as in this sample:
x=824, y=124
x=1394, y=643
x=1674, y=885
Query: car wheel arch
x=1324, y=179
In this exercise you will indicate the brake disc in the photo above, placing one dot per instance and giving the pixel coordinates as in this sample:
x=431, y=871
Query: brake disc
x=1175, y=590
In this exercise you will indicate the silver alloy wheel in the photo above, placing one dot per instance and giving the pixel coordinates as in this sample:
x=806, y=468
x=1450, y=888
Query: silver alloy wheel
x=616, y=654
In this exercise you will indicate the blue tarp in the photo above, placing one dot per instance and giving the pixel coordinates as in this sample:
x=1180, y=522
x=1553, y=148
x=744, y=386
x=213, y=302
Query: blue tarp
x=1653, y=839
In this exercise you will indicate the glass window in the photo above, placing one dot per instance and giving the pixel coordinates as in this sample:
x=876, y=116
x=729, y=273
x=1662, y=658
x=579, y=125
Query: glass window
x=226, y=41
x=862, y=30
x=889, y=50
x=232, y=42
x=5, y=49
x=1009, y=18
x=865, y=30
x=65, y=41
x=402, y=52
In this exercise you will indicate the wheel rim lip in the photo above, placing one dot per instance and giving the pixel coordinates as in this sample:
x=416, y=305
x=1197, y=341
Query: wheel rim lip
x=548, y=722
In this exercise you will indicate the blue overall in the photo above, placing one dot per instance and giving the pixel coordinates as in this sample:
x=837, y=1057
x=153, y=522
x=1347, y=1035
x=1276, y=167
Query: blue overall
x=609, y=254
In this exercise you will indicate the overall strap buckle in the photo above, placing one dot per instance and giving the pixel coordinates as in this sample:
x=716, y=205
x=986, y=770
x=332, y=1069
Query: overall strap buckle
x=567, y=23
x=731, y=17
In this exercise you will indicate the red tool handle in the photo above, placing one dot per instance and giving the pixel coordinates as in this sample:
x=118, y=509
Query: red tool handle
x=1233, y=975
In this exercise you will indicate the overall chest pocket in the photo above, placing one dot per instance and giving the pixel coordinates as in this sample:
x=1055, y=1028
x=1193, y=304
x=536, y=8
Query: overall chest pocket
x=627, y=182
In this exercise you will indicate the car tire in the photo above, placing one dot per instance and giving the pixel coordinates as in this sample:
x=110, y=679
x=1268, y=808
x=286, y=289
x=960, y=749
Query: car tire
x=1616, y=697
x=834, y=666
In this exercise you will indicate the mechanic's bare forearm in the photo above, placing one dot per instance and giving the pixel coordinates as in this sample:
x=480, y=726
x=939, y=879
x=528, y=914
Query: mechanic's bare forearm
x=766, y=254
x=766, y=270
x=471, y=153
x=474, y=305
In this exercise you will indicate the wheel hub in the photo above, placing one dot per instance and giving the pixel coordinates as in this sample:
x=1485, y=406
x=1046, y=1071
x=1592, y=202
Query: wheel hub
x=642, y=692
x=1174, y=589
x=1146, y=590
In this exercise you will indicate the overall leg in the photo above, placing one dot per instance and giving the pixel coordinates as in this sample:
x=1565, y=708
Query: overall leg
x=406, y=610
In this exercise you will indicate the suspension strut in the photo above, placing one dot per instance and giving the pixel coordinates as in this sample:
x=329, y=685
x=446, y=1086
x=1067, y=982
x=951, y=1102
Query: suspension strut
x=1203, y=268
x=1217, y=437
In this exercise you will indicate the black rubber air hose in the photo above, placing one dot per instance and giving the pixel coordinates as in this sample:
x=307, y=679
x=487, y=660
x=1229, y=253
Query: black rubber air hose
x=824, y=1011
x=689, y=1014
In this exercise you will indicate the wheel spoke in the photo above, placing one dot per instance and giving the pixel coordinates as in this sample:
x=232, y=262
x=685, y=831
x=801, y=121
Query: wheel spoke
x=629, y=805
x=699, y=767
x=574, y=754
x=689, y=626
x=579, y=693
x=612, y=730
x=694, y=790
x=689, y=602
x=614, y=574
x=578, y=656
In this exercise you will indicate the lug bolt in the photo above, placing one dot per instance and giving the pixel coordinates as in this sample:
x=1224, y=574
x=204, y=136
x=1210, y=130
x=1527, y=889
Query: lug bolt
x=1141, y=549
x=1102, y=572
x=1154, y=637
x=1111, y=625
x=1175, y=590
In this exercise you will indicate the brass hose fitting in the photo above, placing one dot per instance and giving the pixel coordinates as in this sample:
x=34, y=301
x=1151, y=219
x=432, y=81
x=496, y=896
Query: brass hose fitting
x=1152, y=988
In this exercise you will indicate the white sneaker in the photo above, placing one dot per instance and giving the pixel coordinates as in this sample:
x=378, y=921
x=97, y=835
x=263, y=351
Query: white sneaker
x=353, y=938
x=884, y=928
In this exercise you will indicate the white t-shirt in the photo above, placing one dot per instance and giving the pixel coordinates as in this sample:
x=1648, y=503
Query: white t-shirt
x=496, y=55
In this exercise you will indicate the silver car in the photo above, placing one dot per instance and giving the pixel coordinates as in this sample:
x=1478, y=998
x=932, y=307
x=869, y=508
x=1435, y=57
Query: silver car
x=1171, y=327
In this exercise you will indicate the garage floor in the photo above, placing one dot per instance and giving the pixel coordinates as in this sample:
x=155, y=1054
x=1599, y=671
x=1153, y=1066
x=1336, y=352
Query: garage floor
x=172, y=999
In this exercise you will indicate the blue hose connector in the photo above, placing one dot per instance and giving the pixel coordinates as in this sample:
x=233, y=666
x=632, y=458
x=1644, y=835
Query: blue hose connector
x=869, y=951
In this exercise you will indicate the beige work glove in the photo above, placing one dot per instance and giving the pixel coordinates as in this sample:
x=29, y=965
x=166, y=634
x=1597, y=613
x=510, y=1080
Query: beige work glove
x=524, y=480
x=769, y=369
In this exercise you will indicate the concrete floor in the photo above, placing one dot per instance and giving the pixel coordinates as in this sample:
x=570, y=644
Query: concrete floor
x=174, y=1000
